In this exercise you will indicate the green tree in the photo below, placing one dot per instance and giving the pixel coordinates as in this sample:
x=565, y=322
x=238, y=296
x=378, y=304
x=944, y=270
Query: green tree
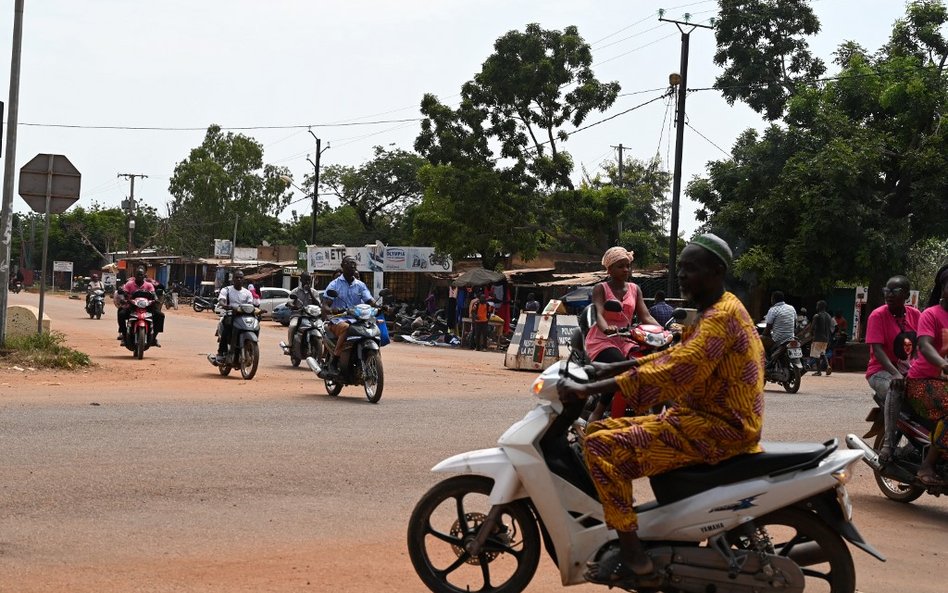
x=856, y=174
x=380, y=190
x=534, y=83
x=764, y=53
x=222, y=181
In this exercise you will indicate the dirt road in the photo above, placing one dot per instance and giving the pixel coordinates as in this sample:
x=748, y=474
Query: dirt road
x=161, y=476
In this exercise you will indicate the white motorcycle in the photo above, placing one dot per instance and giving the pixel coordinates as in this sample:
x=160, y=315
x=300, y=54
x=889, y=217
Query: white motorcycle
x=756, y=523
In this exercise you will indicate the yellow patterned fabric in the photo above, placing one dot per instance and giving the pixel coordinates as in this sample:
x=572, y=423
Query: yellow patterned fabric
x=713, y=382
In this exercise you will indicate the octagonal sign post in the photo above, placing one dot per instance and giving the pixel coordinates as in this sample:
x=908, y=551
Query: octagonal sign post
x=49, y=183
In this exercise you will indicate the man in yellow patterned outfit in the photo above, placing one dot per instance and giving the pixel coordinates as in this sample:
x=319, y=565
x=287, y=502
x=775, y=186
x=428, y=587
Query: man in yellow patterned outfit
x=713, y=381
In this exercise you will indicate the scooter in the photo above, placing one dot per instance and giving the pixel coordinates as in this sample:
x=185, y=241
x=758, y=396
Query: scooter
x=243, y=350
x=200, y=303
x=361, y=361
x=95, y=304
x=139, y=332
x=770, y=522
x=911, y=438
x=308, y=339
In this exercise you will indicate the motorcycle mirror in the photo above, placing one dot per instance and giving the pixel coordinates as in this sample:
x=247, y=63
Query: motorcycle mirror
x=679, y=314
x=613, y=306
x=331, y=293
x=385, y=293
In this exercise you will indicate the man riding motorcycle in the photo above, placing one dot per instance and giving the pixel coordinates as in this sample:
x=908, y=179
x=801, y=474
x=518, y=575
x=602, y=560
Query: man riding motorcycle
x=229, y=297
x=140, y=283
x=94, y=284
x=781, y=322
x=300, y=297
x=350, y=292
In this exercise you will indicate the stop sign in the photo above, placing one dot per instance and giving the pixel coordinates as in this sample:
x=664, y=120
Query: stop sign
x=52, y=173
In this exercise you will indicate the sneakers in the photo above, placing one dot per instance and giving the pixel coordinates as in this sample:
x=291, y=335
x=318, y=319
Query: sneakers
x=217, y=360
x=817, y=374
x=829, y=371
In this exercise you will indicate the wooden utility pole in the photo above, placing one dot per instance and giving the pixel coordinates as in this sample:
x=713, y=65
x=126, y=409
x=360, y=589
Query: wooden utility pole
x=682, y=88
x=129, y=205
x=621, y=184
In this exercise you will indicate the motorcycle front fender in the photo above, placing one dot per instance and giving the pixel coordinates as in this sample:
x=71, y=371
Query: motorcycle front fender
x=826, y=507
x=492, y=463
x=244, y=336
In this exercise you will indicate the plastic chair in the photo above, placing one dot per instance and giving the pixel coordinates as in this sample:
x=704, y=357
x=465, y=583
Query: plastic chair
x=838, y=361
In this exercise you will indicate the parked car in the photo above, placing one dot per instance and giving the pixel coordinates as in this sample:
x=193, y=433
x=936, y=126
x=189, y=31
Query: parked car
x=281, y=314
x=270, y=298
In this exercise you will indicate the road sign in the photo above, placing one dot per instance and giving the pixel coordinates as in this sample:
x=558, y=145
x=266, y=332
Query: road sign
x=52, y=174
x=62, y=266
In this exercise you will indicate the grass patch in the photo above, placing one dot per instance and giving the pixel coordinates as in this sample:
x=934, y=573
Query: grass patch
x=43, y=351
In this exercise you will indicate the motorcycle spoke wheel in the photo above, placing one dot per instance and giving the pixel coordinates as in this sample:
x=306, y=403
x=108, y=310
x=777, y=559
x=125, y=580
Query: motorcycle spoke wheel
x=793, y=385
x=249, y=359
x=224, y=369
x=893, y=489
x=815, y=547
x=294, y=361
x=448, y=517
x=332, y=387
x=373, y=377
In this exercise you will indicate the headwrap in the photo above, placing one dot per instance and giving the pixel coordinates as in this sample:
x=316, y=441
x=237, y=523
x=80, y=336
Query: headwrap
x=614, y=254
x=716, y=245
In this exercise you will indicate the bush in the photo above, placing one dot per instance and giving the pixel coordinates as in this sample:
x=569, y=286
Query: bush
x=44, y=350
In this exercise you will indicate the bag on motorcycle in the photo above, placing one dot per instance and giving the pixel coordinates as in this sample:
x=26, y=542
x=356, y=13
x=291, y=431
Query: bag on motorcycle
x=383, y=330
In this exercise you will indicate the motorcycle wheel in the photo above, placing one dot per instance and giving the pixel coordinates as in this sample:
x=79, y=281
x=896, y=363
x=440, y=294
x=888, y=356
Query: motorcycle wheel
x=793, y=385
x=98, y=312
x=448, y=516
x=140, y=339
x=893, y=489
x=224, y=369
x=249, y=359
x=197, y=307
x=294, y=361
x=332, y=387
x=816, y=548
x=373, y=378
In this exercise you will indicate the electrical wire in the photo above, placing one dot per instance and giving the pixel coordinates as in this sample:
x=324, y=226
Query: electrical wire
x=707, y=140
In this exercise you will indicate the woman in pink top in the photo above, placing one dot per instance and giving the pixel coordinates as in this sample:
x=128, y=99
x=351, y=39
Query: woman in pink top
x=927, y=387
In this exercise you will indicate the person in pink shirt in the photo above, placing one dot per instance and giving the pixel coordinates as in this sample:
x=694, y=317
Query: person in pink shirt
x=927, y=386
x=135, y=284
x=891, y=335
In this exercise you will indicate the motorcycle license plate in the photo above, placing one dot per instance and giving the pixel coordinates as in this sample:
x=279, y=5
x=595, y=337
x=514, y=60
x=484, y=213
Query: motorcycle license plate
x=795, y=352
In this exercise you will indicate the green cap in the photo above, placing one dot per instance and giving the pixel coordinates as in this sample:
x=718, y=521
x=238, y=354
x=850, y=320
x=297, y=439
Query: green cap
x=715, y=245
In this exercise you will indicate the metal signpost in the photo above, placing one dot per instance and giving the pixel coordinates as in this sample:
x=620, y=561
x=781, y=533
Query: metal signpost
x=48, y=183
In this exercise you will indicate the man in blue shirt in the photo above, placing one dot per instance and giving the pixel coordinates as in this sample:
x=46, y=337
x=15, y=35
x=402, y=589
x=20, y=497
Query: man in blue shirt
x=661, y=310
x=350, y=291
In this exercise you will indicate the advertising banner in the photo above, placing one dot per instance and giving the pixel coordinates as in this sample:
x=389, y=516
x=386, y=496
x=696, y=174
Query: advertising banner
x=223, y=248
x=376, y=259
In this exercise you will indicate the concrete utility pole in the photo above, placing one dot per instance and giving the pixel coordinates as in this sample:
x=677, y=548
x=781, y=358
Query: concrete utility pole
x=9, y=167
x=672, y=285
x=129, y=205
x=621, y=184
x=319, y=152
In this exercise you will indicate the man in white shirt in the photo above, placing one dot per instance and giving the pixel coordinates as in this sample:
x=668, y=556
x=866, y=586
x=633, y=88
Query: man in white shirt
x=780, y=320
x=229, y=297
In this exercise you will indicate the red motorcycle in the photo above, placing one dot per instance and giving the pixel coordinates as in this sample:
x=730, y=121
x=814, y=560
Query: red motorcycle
x=139, y=332
x=645, y=338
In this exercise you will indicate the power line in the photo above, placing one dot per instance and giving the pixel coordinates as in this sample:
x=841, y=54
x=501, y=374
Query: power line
x=237, y=128
x=707, y=140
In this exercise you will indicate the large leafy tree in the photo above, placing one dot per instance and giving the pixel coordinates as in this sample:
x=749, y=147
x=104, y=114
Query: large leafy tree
x=856, y=175
x=535, y=83
x=223, y=181
x=379, y=191
x=763, y=50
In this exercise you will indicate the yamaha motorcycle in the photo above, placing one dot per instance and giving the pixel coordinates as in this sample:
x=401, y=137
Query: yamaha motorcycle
x=770, y=522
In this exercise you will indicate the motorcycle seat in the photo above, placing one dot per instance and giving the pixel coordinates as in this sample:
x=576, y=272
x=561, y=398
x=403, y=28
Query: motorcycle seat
x=776, y=459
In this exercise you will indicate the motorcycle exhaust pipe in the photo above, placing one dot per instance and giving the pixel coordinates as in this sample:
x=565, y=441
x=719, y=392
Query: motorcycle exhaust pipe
x=284, y=347
x=313, y=365
x=869, y=454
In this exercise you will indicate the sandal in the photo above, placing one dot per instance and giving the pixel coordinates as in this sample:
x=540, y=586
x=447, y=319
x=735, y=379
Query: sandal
x=931, y=480
x=612, y=570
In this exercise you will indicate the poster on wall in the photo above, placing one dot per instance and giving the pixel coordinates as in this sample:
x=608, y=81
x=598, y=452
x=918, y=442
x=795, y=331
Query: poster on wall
x=379, y=258
x=223, y=248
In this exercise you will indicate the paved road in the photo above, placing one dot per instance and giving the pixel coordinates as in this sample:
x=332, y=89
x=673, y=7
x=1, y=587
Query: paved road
x=159, y=475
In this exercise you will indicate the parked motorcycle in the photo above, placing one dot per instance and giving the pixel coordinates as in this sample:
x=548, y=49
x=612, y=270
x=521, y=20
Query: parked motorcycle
x=200, y=303
x=243, y=351
x=770, y=522
x=361, y=361
x=785, y=363
x=308, y=339
x=16, y=287
x=139, y=329
x=95, y=304
x=896, y=477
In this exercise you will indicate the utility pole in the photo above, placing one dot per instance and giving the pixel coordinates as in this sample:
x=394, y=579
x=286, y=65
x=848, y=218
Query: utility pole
x=129, y=205
x=9, y=166
x=681, y=81
x=621, y=185
x=319, y=152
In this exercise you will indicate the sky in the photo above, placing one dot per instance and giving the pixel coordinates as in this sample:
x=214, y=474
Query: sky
x=342, y=67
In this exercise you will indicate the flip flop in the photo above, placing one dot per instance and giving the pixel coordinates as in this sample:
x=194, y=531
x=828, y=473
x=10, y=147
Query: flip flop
x=611, y=570
x=931, y=480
